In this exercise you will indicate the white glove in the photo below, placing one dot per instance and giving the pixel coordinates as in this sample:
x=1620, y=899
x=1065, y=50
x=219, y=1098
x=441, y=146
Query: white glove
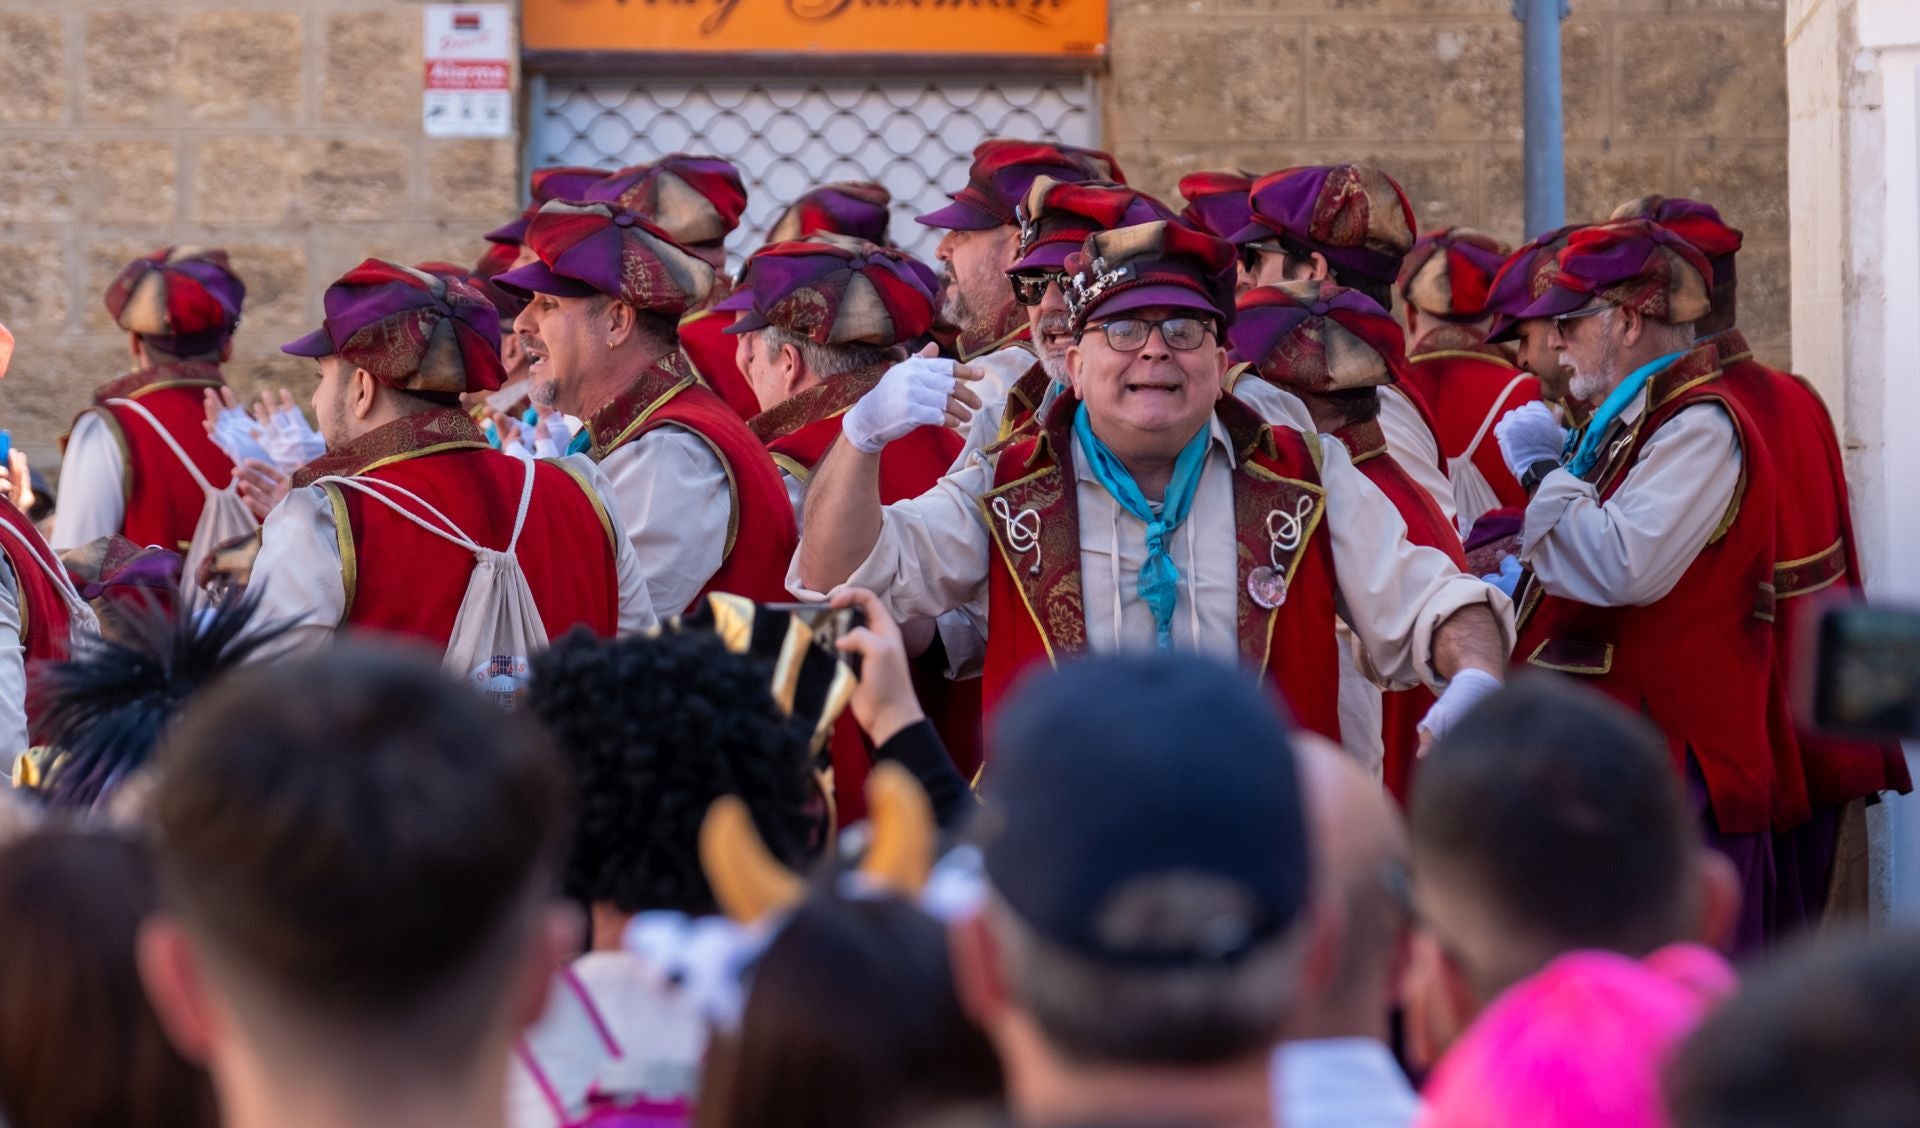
x=550, y=436
x=1529, y=434
x=290, y=442
x=1465, y=691
x=911, y=395
x=235, y=432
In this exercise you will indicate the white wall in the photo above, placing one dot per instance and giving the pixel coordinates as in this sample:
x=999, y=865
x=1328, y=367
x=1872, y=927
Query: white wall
x=1853, y=79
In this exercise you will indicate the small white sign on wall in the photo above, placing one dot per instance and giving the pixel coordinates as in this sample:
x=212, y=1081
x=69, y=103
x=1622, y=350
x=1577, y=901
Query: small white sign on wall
x=469, y=69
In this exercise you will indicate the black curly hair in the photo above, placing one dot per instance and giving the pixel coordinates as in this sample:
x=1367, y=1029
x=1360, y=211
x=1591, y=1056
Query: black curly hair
x=653, y=731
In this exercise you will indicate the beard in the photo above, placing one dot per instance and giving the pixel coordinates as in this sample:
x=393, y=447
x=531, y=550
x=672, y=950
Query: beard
x=1054, y=364
x=954, y=308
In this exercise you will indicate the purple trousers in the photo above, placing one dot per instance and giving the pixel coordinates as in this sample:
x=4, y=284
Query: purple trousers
x=1752, y=856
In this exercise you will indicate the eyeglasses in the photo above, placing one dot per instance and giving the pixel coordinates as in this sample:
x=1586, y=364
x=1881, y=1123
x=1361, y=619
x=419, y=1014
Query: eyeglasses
x=1030, y=286
x=1560, y=322
x=1129, y=334
x=1250, y=254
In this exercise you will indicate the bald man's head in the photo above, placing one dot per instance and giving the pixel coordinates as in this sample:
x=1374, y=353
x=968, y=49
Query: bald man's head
x=1361, y=849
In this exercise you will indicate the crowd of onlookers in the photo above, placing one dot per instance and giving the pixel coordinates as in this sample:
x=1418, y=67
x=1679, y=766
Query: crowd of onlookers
x=345, y=891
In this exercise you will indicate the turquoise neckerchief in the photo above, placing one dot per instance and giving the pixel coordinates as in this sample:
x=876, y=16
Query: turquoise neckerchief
x=1586, y=445
x=581, y=442
x=1159, y=579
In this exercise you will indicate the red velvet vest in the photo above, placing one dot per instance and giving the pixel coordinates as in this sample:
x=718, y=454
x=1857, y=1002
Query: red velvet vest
x=163, y=500
x=710, y=348
x=1699, y=661
x=798, y=431
x=402, y=580
x=46, y=622
x=761, y=534
x=1034, y=564
x=1814, y=550
x=1402, y=710
x=1463, y=384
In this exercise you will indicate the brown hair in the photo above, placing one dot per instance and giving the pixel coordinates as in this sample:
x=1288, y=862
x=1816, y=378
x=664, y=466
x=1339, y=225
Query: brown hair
x=363, y=842
x=851, y=1022
x=80, y=1045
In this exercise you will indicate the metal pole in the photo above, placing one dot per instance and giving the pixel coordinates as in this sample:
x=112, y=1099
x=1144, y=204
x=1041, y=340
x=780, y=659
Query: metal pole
x=1545, y=155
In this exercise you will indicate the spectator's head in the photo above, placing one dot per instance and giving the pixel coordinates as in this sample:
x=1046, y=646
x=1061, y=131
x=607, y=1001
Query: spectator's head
x=653, y=730
x=1580, y=1045
x=1823, y=1037
x=356, y=859
x=850, y=1022
x=79, y=1044
x=1360, y=849
x=1548, y=820
x=1149, y=909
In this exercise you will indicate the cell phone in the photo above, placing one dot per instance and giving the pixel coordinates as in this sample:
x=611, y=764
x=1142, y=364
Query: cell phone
x=6, y=446
x=1866, y=681
x=829, y=626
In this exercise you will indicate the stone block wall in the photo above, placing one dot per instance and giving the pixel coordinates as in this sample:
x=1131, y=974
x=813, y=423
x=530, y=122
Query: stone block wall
x=287, y=131
x=1682, y=97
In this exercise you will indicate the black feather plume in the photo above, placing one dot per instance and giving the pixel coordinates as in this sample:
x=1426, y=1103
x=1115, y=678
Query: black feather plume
x=104, y=710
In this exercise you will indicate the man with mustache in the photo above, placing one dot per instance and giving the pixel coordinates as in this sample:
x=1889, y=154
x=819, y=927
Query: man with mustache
x=698, y=200
x=694, y=490
x=1651, y=550
x=1149, y=511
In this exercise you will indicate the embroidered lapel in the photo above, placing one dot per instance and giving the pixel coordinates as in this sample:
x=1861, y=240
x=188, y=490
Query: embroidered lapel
x=1274, y=520
x=1035, y=524
x=831, y=397
x=412, y=436
x=622, y=416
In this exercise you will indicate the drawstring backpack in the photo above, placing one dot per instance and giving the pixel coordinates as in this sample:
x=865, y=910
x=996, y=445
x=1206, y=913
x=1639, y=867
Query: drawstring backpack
x=1473, y=495
x=498, y=627
x=223, y=517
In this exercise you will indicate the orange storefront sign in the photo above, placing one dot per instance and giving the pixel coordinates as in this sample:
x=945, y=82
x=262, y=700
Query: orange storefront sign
x=894, y=27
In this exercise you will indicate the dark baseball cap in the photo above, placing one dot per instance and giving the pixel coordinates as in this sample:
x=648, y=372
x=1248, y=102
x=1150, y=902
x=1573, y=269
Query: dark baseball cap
x=1111, y=771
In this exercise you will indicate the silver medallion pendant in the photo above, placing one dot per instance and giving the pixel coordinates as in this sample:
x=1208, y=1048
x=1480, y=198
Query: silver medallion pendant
x=1267, y=587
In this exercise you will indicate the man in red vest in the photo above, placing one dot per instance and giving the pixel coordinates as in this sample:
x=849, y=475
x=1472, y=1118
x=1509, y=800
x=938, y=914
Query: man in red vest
x=397, y=350
x=1814, y=550
x=698, y=201
x=135, y=460
x=1651, y=550
x=1351, y=225
x=1335, y=348
x=1468, y=383
x=39, y=610
x=1151, y=512
x=820, y=321
x=694, y=489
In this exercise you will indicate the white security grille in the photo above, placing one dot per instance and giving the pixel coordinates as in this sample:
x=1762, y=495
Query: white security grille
x=914, y=136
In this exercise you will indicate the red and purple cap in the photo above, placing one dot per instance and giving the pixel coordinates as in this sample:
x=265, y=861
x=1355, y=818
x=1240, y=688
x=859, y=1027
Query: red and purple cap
x=599, y=248
x=412, y=331
x=506, y=301
x=185, y=300
x=1001, y=173
x=1056, y=217
x=859, y=208
x=1355, y=215
x=1528, y=273
x=836, y=293
x=555, y=182
x=694, y=199
x=1162, y=263
x=1696, y=222
x=1450, y=273
x=497, y=259
x=1217, y=201
x=1314, y=336
x=1631, y=263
